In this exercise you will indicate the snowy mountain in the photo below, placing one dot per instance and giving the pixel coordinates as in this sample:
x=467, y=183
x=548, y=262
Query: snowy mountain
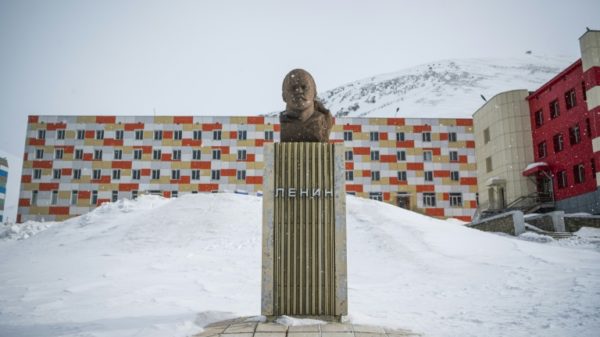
x=449, y=88
x=166, y=267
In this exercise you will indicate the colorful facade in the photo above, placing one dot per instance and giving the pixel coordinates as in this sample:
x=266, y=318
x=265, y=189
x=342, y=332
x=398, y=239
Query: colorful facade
x=74, y=163
x=3, y=182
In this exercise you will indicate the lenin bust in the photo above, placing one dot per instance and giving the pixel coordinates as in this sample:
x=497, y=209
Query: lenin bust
x=305, y=119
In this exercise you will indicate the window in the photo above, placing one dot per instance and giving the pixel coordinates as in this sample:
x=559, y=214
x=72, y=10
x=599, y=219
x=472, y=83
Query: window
x=80, y=134
x=37, y=174
x=374, y=155
x=174, y=194
x=554, y=109
x=428, y=175
x=56, y=174
x=216, y=154
x=135, y=174
x=94, y=199
x=453, y=155
x=374, y=136
x=58, y=153
x=74, y=197
x=217, y=135
x=96, y=174
x=349, y=175
x=456, y=200
x=197, y=135
x=428, y=199
x=41, y=134
x=588, y=127
x=175, y=174
x=542, y=151
x=134, y=194
x=115, y=196
x=158, y=135
x=488, y=164
x=427, y=155
x=348, y=155
x=593, y=165
x=97, y=154
x=137, y=154
x=376, y=196
x=39, y=153
x=60, y=134
x=558, y=142
x=242, y=135
x=156, y=154
x=34, y=197
x=215, y=175
x=195, y=174
x=562, y=179
x=400, y=136
x=539, y=118
x=486, y=135
x=241, y=174
x=139, y=134
x=347, y=136
x=196, y=154
x=454, y=175
x=241, y=155
x=116, y=174
x=77, y=174
x=402, y=175
x=177, y=135
x=570, y=99
x=426, y=136
x=118, y=154
x=119, y=134
x=579, y=173
x=583, y=90
x=401, y=155
x=54, y=200
x=452, y=137
x=155, y=174
x=375, y=176
x=79, y=154
x=574, y=135
x=99, y=134
x=176, y=154
x=268, y=135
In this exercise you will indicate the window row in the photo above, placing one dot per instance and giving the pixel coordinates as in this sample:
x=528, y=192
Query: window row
x=578, y=174
x=135, y=174
x=401, y=175
x=374, y=136
x=570, y=100
x=157, y=135
x=137, y=154
x=401, y=156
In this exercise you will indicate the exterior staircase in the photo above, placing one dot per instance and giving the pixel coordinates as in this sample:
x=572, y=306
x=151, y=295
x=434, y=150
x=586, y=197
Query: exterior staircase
x=554, y=235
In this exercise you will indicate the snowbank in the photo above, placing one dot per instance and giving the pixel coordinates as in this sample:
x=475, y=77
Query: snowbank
x=167, y=267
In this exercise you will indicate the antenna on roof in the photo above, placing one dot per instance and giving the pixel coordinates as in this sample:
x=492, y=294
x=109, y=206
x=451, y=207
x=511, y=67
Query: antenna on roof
x=483, y=97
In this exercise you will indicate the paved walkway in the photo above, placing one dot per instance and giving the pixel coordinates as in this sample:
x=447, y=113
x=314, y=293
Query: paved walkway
x=240, y=327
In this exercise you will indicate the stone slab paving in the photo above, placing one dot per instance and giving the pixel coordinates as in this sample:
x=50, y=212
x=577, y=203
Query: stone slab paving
x=242, y=327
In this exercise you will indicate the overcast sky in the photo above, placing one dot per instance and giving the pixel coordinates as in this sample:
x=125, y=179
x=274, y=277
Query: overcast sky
x=230, y=57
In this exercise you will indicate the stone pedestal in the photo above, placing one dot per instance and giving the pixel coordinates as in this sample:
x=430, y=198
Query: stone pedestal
x=304, y=231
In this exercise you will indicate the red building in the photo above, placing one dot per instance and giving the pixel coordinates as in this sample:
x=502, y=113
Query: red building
x=565, y=124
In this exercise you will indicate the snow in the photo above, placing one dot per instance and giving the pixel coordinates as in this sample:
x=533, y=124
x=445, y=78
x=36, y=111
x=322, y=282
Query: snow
x=534, y=165
x=291, y=321
x=442, y=89
x=167, y=267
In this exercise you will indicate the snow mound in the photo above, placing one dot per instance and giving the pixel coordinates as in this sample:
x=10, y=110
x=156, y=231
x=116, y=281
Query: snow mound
x=167, y=267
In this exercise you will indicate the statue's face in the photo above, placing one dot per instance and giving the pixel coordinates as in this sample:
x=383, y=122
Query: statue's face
x=299, y=92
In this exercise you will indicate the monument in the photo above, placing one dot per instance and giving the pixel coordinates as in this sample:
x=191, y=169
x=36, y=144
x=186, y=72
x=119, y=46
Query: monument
x=304, y=211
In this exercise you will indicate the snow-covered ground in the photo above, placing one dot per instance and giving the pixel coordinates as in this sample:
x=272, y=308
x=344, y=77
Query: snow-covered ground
x=165, y=267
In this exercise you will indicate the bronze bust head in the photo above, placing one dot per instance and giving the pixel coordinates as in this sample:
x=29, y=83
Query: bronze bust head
x=305, y=119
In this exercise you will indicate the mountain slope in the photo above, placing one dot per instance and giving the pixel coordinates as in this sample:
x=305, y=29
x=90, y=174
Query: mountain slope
x=448, y=88
x=166, y=267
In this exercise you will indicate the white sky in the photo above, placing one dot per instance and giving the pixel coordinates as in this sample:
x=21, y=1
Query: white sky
x=229, y=57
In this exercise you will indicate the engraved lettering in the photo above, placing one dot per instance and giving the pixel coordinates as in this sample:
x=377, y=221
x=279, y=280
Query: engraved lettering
x=291, y=192
x=328, y=193
x=304, y=193
x=316, y=192
x=279, y=190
